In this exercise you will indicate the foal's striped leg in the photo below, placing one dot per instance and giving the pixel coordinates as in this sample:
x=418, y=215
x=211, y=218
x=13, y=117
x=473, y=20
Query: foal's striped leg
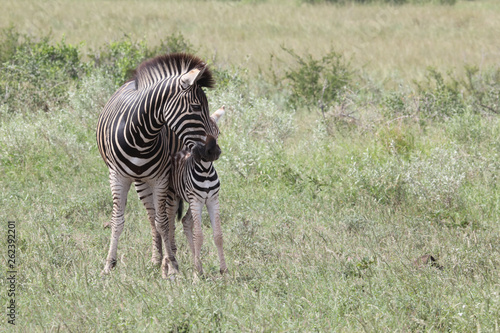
x=196, y=209
x=187, y=226
x=214, y=213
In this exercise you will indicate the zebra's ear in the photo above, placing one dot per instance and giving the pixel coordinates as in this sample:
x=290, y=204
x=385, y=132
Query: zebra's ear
x=219, y=113
x=192, y=76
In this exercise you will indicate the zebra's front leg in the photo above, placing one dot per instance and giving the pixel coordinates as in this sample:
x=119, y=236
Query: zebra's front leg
x=196, y=208
x=214, y=213
x=166, y=228
x=119, y=189
x=145, y=193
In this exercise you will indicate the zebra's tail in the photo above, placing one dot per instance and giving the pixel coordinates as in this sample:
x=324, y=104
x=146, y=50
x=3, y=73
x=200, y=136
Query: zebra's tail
x=180, y=209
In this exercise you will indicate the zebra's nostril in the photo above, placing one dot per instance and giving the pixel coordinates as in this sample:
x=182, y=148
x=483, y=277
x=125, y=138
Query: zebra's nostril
x=214, y=151
x=210, y=144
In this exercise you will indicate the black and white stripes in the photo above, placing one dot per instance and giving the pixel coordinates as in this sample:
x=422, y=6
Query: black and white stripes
x=149, y=118
x=195, y=180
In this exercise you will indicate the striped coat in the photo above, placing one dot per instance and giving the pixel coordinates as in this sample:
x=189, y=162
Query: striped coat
x=195, y=180
x=150, y=117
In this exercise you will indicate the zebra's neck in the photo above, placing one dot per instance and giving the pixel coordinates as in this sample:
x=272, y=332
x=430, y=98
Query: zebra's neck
x=147, y=118
x=205, y=165
x=201, y=167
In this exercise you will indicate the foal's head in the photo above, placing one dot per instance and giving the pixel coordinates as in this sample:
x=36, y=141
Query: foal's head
x=210, y=151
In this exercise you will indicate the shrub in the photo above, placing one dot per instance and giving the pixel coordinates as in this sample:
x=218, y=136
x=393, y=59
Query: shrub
x=317, y=81
x=9, y=42
x=37, y=74
x=432, y=185
x=119, y=59
x=483, y=88
x=174, y=43
x=90, y=97
x=380, y=180
x=439, y=98
x=399, y=103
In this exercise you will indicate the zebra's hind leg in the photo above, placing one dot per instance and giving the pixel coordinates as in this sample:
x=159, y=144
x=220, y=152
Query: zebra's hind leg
x=145, y=193
x=166, y=228
x=214, y=213
x=119, y=189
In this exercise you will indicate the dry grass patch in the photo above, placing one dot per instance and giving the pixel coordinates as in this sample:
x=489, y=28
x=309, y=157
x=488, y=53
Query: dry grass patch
x=386, y=41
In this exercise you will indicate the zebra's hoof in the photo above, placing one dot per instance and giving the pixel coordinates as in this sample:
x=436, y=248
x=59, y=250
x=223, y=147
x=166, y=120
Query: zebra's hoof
x=169, y=272
x=169, y=276
x=108, y=267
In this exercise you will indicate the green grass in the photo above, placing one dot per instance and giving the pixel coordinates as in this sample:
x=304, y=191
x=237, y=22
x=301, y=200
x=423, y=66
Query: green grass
x=323, y=213
x=323, y=237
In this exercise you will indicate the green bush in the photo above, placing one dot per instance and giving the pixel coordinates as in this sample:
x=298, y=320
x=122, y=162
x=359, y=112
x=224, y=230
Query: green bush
x=119, y=59
x=440, y=98
x=483, y=88
x=10, y=40
x=397, y=138
x=399, y=103
x=317, y=82
x=37, y=75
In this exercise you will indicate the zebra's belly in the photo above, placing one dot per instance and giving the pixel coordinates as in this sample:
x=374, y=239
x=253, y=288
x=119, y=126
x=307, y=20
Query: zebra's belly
x=140, y=162
x=151, y=166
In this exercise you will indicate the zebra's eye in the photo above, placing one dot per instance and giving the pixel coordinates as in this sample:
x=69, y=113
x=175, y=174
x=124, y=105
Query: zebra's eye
x=196, y=107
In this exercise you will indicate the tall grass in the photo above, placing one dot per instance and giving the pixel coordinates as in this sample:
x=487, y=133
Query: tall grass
x=389, y=42
x=325, y=211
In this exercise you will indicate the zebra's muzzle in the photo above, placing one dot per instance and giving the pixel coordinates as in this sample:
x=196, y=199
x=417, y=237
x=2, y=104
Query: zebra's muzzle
x=208, y=152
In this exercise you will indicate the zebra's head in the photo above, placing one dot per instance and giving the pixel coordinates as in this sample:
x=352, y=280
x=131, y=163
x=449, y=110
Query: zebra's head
x=191, y=120
x=211, y=151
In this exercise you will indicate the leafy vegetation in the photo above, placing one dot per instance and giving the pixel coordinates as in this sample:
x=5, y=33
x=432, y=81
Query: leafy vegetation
x=326, y=207
x=120, y=58
x=36, y=74
x=317, y=82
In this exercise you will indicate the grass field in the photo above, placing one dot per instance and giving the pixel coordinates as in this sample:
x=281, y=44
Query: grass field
x=325, y=213
x=389, y=42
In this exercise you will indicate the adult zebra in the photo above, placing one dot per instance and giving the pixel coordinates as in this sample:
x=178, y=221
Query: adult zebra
x=195, y=180
x=136, y=145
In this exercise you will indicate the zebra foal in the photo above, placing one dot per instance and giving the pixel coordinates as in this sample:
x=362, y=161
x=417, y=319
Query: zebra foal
x=195, y=181
x=150, y=117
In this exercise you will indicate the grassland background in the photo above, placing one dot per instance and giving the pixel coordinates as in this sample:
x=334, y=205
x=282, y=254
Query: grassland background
x=386, y=41
x=323, y=213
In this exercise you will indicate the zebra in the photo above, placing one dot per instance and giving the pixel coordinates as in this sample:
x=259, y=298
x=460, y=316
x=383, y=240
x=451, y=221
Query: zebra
x=161, y=109
x=194, y=180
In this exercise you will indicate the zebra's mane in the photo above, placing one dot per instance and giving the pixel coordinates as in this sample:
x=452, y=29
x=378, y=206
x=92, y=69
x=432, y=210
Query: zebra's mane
x=169, y=65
